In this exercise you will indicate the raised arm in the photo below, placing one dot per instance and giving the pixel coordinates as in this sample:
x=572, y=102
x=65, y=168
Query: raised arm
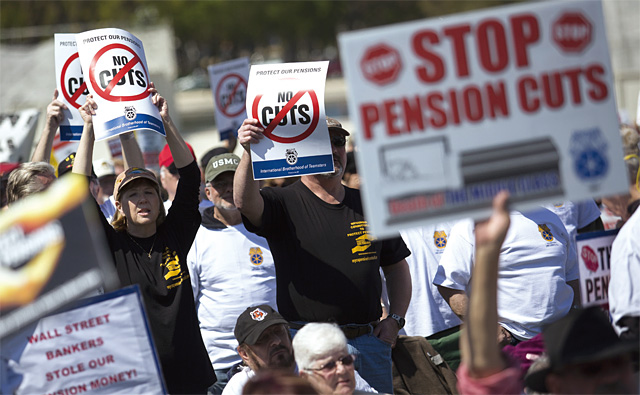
x=181, y=155
x=246, y=190
x=478, y=346
x=84, y=155
x=55, y=116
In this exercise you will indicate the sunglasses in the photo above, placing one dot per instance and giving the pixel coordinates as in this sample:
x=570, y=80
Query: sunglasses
x=338, y=141
x=330, y=366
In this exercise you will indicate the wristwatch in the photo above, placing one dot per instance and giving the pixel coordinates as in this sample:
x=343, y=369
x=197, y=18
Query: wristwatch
x=399, y=320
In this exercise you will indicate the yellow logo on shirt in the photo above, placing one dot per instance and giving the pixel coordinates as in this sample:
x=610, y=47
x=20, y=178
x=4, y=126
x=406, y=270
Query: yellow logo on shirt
x=172, y=270
x=545, y=232
x=440, y=239
x=255, y=253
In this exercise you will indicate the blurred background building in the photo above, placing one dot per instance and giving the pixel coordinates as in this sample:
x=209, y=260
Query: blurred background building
x=181, y=38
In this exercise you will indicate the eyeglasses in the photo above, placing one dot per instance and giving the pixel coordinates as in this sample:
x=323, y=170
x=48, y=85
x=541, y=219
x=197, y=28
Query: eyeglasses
x=330, y=366
x=338, y=141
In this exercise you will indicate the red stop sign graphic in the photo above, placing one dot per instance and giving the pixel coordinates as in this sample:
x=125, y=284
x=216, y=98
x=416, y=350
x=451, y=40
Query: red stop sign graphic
x=572, y=32
x=381, y=64
x=590, y=258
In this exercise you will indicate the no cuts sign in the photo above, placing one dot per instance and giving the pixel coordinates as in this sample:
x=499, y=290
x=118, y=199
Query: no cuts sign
x=117, y=76
x=455, y=109
x=71, y=86
x=288, y=101
x=229, y=86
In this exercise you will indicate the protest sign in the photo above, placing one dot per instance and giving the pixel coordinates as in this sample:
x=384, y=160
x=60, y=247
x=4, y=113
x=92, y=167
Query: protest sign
x=454, y=109
x=288, y=101
x=594, y=258
x=229, y=86
x=72, y=89
x=101, y=345
x=116, y=72
x=51, y=253
x=17, y=131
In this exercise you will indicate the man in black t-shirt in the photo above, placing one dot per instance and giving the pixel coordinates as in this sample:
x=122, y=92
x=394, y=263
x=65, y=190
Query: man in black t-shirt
x=327, y=262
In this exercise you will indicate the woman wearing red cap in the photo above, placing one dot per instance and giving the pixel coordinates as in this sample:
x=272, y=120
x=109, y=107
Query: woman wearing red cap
x=150, y=248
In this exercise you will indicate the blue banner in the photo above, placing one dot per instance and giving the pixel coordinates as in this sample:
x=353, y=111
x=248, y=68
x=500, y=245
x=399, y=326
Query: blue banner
x=303, y=165
x=121, y=125
x=70, y=133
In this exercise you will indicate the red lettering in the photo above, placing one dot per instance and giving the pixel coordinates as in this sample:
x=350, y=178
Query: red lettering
x=434, y=70
x=453, y=106
x=525, y=32
x=457, y=33
x=369, y=114
x=473, y=103
x=527, y=84
x=412, y=114
x=492, y=32
x=497, y=99
x=552, y=88
x=390, y=117
x=599, y=89
x=574, y=82
x=438, y=117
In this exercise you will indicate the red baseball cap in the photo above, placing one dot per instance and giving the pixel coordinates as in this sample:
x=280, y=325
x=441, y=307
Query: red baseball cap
x=166, y=159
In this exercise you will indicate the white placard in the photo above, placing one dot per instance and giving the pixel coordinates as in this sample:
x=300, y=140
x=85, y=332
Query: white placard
x=229, y=88
x=116, y=72
x=72, y=89
x=594, y=256
x=103, y=347
x=288, y=100
x=454, y=109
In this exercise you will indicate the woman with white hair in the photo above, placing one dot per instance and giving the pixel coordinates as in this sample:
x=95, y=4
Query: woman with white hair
x=322, y=356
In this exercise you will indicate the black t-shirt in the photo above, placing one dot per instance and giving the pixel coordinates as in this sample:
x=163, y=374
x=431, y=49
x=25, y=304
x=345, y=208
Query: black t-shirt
x=327, y=264
x=166, y=288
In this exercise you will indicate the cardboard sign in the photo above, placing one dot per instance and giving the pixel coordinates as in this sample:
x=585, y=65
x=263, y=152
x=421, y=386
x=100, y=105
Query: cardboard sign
x=116, y=72
x=288, y=100
x=51, y=253
x=103, y=345
x=17, y=131
x=72, y=88
x=454, y=109
x=229, y=86
x=594, y=256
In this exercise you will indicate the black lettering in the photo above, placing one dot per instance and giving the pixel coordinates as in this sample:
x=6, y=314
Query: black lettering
x=119, y=60
x=140, y=80
x=265, y=112
x=305, y=118
x=104, y=83
x=589, y=289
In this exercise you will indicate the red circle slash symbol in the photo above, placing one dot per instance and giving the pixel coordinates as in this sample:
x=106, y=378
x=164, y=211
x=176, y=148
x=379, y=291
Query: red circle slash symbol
x=224, y=105
x=106, y=94
x=72, y=99
x=268, y=131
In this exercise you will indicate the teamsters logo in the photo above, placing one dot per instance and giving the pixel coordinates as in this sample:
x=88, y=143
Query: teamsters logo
x=292, y=156
x=130, y=112
x=588, y=148
x=545, y=232
x=256, y=256
x=440, y=238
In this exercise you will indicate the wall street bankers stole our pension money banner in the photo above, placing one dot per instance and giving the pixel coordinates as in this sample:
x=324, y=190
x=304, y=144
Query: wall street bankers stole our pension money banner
x=452, y=110
x=116, y=72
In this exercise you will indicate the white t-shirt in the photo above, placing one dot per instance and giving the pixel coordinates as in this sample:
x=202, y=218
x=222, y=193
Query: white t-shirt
x=108, y=208
x=575, y=215
x=230, y=270
x=624, y=298
x=237, y=382
x=428, y=312
x=536, y=261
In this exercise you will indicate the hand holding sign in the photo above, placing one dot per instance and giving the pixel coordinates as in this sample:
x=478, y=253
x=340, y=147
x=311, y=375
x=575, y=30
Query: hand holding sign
x=250, y=133
x=55, y=114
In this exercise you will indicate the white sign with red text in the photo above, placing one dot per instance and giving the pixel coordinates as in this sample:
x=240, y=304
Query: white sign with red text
x=594, y=256
x=229, y=86
x=454, y=109
x=116, y=73
x=288, y=101
x=72, y=89
x=103, y=347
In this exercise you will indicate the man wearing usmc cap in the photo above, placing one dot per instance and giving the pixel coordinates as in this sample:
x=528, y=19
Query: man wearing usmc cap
x=230, y=268
x=263, y=342
x=318, y=235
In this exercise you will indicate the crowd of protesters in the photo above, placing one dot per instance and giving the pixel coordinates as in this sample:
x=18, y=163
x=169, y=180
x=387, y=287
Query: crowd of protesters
x=280, y=287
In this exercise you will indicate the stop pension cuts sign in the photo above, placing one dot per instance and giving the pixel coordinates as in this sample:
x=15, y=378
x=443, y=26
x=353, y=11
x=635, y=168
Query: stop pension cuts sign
x=453, y=110
x=116, y=73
